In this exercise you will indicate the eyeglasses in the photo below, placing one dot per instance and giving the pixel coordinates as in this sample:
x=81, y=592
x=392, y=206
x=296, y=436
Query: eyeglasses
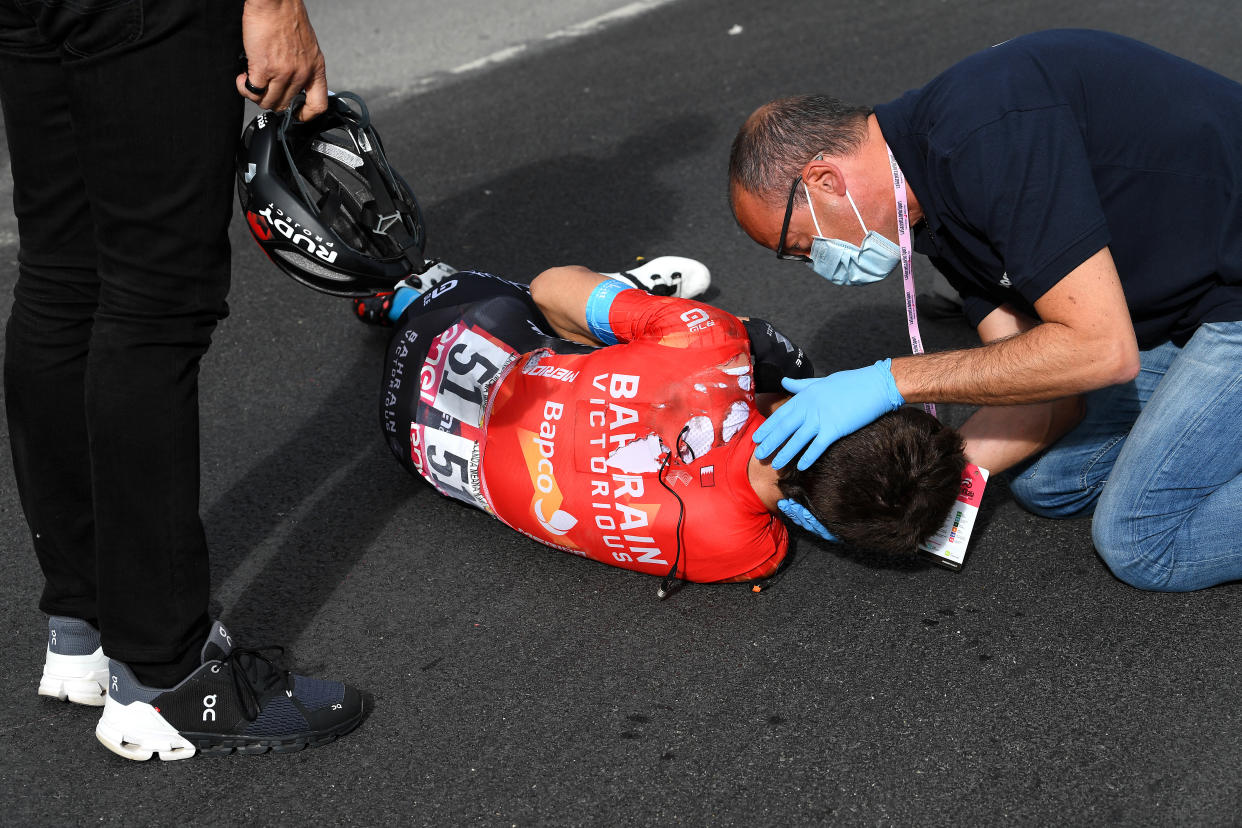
x=780, y=247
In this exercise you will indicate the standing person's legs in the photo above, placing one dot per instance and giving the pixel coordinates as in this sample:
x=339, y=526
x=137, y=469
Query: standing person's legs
x=158, y=189
x=1170, y=517
x=49, y=329
x=158, y=181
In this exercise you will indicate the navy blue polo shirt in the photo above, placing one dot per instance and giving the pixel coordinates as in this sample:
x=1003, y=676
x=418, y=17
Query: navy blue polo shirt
x=1031, y=156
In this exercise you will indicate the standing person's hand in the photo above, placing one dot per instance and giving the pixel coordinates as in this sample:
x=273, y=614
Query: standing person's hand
x=283, y=57
x=824, y=410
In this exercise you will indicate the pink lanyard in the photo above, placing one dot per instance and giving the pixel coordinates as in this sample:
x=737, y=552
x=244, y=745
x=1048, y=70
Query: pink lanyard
x=907, y=263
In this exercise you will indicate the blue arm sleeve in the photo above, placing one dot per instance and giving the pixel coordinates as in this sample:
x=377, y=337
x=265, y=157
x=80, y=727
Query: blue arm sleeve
x=599, y=303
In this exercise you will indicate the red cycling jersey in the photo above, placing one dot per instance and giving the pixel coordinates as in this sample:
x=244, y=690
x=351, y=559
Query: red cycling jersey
x=636, y=454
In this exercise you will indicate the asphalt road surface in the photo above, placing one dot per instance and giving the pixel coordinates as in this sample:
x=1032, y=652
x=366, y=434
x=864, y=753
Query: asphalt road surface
x=517, y=685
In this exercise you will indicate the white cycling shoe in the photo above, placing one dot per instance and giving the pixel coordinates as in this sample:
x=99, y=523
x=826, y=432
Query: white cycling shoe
x=668, y=276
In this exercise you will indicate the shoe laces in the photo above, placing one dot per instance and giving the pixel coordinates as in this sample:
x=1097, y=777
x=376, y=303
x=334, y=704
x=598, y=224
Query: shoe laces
x=254, y=674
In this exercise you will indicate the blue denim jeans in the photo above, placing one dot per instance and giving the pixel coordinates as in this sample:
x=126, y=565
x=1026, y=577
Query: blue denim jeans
x=1157, y=461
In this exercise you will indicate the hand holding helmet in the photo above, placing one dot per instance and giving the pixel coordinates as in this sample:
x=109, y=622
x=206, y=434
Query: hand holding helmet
x=283, y=57
x=322, y=201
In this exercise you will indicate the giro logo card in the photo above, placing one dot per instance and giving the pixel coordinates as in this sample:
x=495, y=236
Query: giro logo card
x=947, y=546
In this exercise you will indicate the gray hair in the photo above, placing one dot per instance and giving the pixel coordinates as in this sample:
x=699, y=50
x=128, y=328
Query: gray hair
x=778, y=139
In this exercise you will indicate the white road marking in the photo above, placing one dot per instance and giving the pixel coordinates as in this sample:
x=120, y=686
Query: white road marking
x=616, y=15
x=8, y=234
x=591, y=26
x=487, y=60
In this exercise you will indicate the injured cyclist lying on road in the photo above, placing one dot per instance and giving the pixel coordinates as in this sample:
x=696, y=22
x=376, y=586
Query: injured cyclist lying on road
x=612, y=423
x=605, y=415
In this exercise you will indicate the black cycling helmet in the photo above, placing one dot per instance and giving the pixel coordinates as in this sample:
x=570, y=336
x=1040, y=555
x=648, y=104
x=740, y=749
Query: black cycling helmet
x=322, y=202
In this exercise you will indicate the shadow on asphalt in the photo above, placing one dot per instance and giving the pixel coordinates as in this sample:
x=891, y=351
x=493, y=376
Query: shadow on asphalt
x=293, y=519
x=540, y=214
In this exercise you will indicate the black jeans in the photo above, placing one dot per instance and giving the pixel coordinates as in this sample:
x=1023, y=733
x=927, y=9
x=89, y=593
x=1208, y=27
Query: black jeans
x=122, y=119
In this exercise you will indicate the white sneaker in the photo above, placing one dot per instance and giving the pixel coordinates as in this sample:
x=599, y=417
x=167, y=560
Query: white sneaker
x=668, y=276
x=74, y=668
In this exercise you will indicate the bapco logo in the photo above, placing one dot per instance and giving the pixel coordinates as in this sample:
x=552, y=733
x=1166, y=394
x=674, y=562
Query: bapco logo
x=558, y=524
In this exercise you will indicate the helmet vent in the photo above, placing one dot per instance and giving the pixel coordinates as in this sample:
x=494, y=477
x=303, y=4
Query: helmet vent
x=310, y=265
x=338, y=153
x=353, y=225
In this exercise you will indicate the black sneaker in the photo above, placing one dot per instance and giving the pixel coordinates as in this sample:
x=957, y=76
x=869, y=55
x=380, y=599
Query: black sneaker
x=237, y=701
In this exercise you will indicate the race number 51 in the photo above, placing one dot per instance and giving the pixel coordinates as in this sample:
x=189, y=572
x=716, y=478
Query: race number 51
x=454, y=383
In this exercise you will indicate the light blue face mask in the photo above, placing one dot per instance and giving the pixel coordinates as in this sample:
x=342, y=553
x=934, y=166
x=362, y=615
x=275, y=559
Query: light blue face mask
x=843, y=263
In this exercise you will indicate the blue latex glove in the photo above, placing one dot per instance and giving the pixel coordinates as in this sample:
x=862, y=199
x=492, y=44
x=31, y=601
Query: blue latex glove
x=824, y=410
x=802, y=516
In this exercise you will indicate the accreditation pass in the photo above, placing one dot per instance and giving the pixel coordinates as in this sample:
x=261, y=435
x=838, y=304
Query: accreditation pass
x=947, y=545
